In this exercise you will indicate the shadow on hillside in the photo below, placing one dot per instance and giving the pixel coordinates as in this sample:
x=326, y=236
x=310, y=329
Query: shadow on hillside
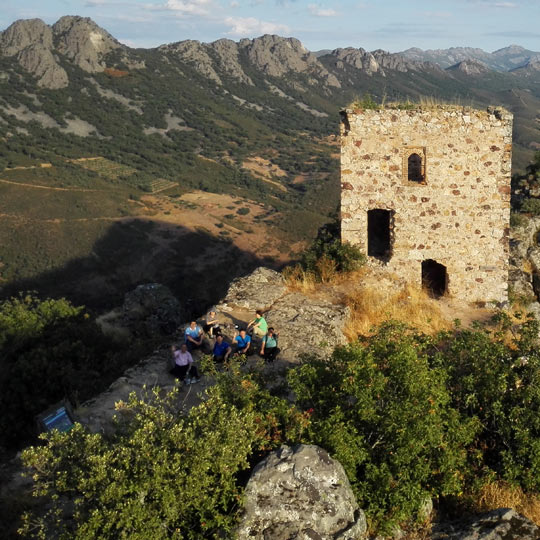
x=196, y=266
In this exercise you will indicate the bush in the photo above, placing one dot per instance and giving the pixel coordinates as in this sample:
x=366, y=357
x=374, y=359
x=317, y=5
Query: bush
x=244, y=211
x=497, y=383
x=162, y=474
x=385, y=414
x=50, y=350
x=328, y=254
x=531, y=206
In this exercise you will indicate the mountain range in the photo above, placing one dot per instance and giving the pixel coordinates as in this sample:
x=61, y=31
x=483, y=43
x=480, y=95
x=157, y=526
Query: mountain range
x=101, y=142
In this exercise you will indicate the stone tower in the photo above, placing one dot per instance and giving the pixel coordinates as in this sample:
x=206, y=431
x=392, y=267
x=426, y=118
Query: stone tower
x=425, y=193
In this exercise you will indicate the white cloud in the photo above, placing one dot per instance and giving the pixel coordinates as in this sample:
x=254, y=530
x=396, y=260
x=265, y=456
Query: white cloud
x=235, y=4
x=321, y=12
x=183, y=7
x=250, y=26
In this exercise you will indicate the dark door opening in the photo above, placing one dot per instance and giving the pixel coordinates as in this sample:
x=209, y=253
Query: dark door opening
x=434, y=278
x=379, y=234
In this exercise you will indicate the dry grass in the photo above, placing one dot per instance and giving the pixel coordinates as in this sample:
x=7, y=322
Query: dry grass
x=502, y=495
x=298, y=279
x=371, y=306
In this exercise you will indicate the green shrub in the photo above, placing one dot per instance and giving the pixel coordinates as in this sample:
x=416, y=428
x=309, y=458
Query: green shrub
x=50, y=350
x=162, y=474
x=244, y=211
x=385, y=414
x=328, y=246
x=531, y=206
x=499, y=385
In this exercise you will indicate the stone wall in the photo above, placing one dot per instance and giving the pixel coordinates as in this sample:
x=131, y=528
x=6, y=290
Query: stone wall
x=443, y=175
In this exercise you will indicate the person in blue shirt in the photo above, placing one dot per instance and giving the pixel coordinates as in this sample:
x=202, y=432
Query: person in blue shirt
x=193, y=336
x=243, y=342
x=222, y=349
x=269, y=346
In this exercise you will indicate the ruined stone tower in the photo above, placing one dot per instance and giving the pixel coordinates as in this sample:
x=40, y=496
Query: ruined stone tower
x=426, y=194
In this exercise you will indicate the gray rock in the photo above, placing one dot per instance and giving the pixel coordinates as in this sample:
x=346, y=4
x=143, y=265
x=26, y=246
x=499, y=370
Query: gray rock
x=151, y=309
x=307, y=325
x=300, y=493
x=500, y=524
x=260, y=290
x=375, y=62
x=42, y=64
x=22, y=34
x=194, y=53
x=31, y=41
x=83, y=42
x=277, y=56
x=227, y=52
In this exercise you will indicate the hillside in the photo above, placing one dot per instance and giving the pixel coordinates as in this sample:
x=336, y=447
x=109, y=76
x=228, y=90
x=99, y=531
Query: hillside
x=125, y=165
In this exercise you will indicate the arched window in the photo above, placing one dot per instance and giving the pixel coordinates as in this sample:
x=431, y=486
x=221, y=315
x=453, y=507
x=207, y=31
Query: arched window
x=415, y=171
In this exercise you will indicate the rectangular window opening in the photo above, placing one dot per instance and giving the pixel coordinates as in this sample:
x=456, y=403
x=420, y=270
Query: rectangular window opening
x=380, y=225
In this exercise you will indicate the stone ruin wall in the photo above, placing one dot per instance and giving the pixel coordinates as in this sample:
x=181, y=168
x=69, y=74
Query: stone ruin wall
x=458, y=215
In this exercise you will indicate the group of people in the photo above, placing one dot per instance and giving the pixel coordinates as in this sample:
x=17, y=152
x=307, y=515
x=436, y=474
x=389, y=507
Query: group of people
x=243, y=344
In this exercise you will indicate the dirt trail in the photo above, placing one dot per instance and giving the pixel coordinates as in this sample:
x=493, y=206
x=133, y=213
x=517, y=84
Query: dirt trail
x=37, y=186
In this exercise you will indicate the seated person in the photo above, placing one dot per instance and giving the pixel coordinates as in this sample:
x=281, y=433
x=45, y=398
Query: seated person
x=269, y=348
x=184, y=368
x=211, y=326
x=222, y=350
x=193, y=336
x=258, y=325
x=243, y=342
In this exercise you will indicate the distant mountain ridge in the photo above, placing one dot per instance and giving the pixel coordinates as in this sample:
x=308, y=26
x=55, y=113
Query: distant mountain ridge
x=505, y=59
x=90, y=128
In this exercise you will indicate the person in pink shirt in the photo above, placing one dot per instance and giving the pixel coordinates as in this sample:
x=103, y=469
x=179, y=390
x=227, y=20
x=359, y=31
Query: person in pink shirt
x=184, y=368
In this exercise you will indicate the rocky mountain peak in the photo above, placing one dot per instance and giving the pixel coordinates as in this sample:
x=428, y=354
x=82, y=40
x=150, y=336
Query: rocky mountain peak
x=373, y=62
x=469, y=67
x=31, y=41
x=276, y=56
x=24, y=33
x=511, y=49
x=84, y=42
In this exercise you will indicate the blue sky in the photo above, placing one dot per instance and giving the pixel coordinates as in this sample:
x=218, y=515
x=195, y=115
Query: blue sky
x=388, y=24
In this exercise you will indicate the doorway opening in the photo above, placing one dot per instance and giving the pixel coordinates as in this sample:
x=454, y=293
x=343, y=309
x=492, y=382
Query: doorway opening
x=434, y=278
x=380, y=234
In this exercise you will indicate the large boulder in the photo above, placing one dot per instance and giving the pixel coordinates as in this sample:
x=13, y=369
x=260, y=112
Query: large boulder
x=307, y=324
x=259, y=290
x=500, y=524
x=152, y=310
x=300, y=493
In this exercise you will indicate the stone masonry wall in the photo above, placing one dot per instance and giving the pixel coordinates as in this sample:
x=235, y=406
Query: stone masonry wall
x=457, y=214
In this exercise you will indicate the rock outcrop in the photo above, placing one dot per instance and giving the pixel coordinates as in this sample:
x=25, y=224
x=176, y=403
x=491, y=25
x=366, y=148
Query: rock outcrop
x=305, y=324
x=273, y=55
x=276, y=56
x=82, y=41
x=300, y=493
x=377, y=61
x=31, y=42
x=37, y=46
x=469, y=67
x=524, y=274
x=152, y=310
x=500, y=524
x=259, y=290
x=195, y=53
